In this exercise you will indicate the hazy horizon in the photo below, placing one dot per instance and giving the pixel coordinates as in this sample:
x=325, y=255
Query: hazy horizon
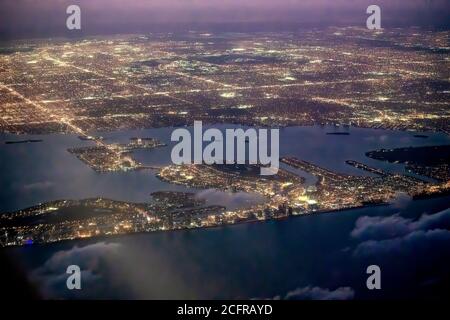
x=26, y=18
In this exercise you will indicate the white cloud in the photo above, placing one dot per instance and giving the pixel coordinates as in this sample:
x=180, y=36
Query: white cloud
x=318, y=293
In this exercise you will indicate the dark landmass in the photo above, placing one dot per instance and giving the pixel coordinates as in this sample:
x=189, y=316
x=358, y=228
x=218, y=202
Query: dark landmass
x=7, y=51
x=430, y=161
x=238, y=59
x=424, y=156
x=240, y=169
x=339, y=133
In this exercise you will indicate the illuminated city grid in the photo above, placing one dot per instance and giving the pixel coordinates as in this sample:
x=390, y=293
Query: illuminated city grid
x=343, y=76
x=392, y=79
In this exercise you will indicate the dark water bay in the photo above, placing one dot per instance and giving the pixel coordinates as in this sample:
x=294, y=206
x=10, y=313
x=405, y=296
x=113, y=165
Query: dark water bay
x=45, y=171
x=264, y=260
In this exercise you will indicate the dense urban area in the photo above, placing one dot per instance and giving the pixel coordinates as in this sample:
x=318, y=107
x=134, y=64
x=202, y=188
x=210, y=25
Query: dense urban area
x=339, y=76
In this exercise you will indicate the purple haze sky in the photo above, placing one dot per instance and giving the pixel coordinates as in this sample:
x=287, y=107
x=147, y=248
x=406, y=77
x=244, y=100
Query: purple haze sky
x=21, y=18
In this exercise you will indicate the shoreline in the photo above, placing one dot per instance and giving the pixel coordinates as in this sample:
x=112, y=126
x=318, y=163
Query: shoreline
x=252, y=221
x=280, y=126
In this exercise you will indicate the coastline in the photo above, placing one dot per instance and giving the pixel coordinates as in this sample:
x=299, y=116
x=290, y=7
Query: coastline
x=250, y=221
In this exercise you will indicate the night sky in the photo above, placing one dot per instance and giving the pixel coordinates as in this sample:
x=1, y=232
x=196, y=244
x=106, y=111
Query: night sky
x=29, y=18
